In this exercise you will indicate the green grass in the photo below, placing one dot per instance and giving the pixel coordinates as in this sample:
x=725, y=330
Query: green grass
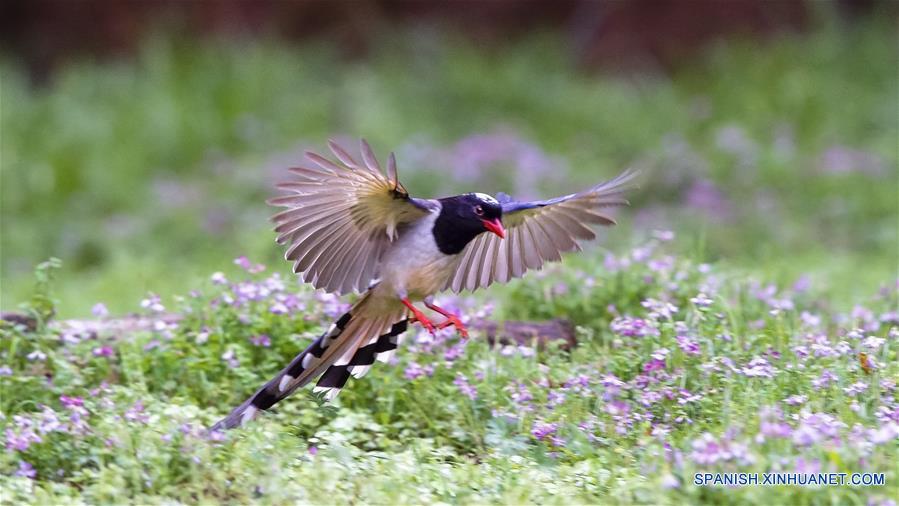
x=135, y=173
x=134, y=431
x=773, y=164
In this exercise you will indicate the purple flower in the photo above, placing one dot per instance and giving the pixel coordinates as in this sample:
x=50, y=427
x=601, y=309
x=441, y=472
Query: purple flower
x=520, y=394
x=554, y=398
x=657, y=362
x=454, y=352
x=704, y=196
x=701, y=300
x=99, y=310
x=36, y=355
x=153, y=303
x=278, y=308
x=26, y=470
x=261, y=340
x=49, y=421
x=542, y=430
x=331, y=305
x=796, y=400
x=659, y=309
x=775, y=429
x=613, y=264
x=816, y=427
x=873, y=342
x=809, y=319
x=22, y=440
x=663, y=264
x=810, y=466
x=771, y=424
x=414, y=371
x=707, y=450
x=136, y=413
x=526, y=351
x=462, y=384
x=758, y=367
x=218, y=278
x=688, y=346
x=633, y=327
x=825, y=379
x=650, y=397
x=663, y=235
x=669, y=481
x=230, y=359
x=653, y=365
x=843, y=160
x=248, y=266
x=887, y=433
x=103, y=351
x=618, y=409
x=5, y=370
x=802, y=284
x=274, y=283
x=579, y=383
x=71, y=402
x=856, y=388
x=641, y=254
x=685, y=397
x=216, y=436
x=612, y=385
x=474, y=154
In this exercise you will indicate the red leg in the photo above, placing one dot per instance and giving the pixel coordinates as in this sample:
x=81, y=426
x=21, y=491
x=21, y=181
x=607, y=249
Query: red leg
x=451, y=319
x=418, y=316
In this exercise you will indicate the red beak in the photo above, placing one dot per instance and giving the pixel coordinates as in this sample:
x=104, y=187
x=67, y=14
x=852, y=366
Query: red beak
x=496, y=227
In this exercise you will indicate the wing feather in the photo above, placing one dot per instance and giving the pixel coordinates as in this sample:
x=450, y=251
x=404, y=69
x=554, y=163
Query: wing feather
x=517, y=254
x=340, y=217
x=368, y=156
x=536, y=233
x=342, y=155
x=316, y=259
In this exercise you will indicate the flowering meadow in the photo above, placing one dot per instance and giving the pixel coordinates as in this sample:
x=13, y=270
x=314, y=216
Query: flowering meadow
x=679, y=368
x=742, y=317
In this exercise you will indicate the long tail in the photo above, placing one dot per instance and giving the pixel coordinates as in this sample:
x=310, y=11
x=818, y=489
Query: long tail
x=348, y=348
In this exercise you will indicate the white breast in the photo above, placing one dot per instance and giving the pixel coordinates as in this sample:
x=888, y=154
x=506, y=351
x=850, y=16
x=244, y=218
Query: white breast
x=414, y=266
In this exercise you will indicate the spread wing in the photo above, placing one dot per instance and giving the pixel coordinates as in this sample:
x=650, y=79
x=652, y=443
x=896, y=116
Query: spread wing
x=341, y=216
x=537, y=232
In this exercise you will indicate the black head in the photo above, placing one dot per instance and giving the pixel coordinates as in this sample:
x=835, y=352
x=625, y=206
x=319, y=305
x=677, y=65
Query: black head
x=465, y=216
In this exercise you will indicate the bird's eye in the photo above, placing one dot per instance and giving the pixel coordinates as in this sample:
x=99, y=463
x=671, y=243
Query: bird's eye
x=478, y=210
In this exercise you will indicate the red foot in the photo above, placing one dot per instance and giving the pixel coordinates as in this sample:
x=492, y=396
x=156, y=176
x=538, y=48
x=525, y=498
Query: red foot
x=451, y=320
x=418, y=316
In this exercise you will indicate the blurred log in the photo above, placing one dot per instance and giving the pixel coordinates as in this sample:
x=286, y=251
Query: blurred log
x=117, y=326
x=523, y=333
x=27, y=321
x=518, y=333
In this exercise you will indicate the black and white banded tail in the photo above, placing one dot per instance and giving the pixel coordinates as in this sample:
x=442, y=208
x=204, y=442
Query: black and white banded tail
x=348, y=348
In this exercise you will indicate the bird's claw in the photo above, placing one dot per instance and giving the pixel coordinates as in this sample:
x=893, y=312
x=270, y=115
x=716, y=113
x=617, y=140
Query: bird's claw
x=419, y=317
x=453, y=320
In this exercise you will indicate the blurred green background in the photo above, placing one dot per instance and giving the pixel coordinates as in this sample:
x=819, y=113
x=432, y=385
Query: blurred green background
x=147, y=169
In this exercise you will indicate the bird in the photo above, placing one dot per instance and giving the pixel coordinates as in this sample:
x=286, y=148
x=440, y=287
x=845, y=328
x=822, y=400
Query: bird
x=352, y=227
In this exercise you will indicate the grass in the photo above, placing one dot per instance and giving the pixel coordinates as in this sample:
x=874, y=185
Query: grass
x=760, y=336
x=679, y=369
x=136, y=172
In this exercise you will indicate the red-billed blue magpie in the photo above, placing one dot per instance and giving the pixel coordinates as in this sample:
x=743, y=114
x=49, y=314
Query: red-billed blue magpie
x=351, y=227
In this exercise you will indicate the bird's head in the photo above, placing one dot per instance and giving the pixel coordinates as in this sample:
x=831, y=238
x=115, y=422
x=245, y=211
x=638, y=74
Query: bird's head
x=480, y=211
x=464, y=217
